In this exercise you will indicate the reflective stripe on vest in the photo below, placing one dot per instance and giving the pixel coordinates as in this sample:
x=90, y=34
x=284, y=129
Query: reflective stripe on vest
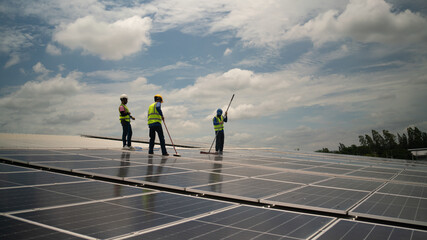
x=219, y=126
x=127, y=117
x=153, y=114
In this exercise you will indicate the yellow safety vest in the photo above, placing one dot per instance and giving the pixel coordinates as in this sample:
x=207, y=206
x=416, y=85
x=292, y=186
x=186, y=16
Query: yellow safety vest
x=127, y=117
x=153, y=114
x=220, y=125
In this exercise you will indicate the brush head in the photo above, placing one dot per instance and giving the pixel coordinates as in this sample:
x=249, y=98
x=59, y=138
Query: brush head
x=202, y=152
x=177, y=155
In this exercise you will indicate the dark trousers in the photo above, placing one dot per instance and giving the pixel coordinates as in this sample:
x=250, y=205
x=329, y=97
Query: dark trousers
x=219, y=145
x=127, y=133
x=159, y=130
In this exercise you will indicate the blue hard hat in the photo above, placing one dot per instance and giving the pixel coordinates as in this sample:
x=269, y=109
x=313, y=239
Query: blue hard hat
x=219, y=111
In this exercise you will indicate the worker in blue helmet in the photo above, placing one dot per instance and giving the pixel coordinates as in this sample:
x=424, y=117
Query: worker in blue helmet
x=218, y=122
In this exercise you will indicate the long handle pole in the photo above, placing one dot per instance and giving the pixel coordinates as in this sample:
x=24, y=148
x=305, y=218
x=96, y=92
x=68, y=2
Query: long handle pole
x=216, y=133
x=230, y=102
x=176, y=153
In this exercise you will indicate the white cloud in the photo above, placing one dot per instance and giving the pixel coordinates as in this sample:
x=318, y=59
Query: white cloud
x=115, y=75
x=177, y=65
x=14, y=40
x=364, y=21
x=61, y=67
x=268, y=23
x=14, y=59
x=53, y=50
x=141, y=85
x=110, y=41
x=33, y=103
x=53, y=87
x=57, y=12
x=272, y=23
x=70, y=118
x=384, y=98
x=227, y=52
x=262, y=97
x=40, y=68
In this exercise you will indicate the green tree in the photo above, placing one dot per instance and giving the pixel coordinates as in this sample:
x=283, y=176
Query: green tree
x=403, y=141
x=385, y=145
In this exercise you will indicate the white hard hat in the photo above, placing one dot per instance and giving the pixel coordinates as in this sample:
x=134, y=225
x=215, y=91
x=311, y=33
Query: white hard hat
x=123, y=96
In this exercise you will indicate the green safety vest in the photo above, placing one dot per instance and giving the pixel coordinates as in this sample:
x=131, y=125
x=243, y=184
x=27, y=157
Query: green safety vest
x=220, y=126
x=153, y=114
x=127, y=117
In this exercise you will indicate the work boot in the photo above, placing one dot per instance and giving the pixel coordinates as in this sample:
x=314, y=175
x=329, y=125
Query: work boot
x=131, y=148
x=125, y=148
x=165, y=154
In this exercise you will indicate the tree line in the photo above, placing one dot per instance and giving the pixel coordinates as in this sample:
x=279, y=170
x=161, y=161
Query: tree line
x=386, y=145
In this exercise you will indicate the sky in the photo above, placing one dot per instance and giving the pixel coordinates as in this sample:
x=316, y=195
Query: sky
x=305, y=74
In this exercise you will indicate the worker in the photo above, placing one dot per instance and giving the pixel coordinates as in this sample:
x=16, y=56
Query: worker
x=218, y=122
x=125, y=117
x=155, y=117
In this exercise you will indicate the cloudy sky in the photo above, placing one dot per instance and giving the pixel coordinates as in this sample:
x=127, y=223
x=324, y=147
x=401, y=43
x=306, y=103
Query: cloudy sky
x=307, y=74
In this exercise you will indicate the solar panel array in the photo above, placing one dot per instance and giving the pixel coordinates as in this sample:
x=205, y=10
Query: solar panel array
x=324, y=195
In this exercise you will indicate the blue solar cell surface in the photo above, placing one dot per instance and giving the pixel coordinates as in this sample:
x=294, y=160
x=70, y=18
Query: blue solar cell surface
x=69, y=205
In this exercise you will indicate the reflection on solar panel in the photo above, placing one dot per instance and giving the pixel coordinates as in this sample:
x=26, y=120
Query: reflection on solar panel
x=320, y=192
x=319, y=198
x=246, y=222
x=345, y=229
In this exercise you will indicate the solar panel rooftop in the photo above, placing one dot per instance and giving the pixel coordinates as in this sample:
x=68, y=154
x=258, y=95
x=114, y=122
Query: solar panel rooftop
x=244, y=194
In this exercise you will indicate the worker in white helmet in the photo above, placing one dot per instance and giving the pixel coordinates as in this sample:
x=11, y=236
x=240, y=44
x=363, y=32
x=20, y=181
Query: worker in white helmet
x=125, y=117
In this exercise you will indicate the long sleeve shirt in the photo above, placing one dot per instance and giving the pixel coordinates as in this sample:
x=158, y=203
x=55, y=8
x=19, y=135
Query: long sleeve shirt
x=159, y=108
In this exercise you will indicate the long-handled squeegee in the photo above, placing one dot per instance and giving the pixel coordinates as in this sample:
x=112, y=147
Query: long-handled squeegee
x=202, y=152
x=176, y=153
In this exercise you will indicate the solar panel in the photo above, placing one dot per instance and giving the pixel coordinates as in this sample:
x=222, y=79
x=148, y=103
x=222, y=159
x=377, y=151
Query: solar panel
x=381, y=170
x=131, y=171
x=181, y=181
x=394, y=208
x=17, y=199
x=344, y=166
x=329, y=170
x=411, y=178
x=242, y=171
x=11, y=228
x=295, y=177
x=72, y=165
x=100, y=220
x=49, y=157
x=405, y=190
x=318, y=198
x=244, y=223
x=114, y=218
x=246, y=189
x=346, y=229
x=348, y=183
x=349, y=186
x=288, y=165
x=37, y=177
x=203, y=165
x=25, y=151
x=6, y=168
x=372, y=175
x=413, y=173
